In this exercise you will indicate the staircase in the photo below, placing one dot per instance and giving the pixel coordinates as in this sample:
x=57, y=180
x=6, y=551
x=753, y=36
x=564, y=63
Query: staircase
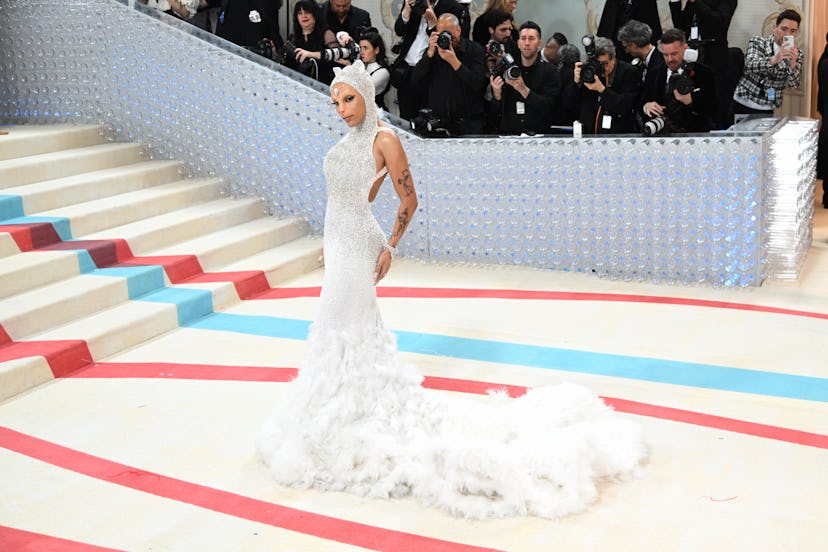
x=102, y=249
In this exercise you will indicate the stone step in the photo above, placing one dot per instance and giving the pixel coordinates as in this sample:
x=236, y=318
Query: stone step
x=227, y=246
x=284, y=262
x=26, y=271
x=96, y=215
x=118, y=328
x=37, y=310
x=80, y=188
x=26, y=140
x=60, y=164
x=7, y=245
x=151, y=234
x=20, y=374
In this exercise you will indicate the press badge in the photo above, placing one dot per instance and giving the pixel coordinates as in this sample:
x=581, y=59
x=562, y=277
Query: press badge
x=771, y=94
x=606, y=122
x=520, y=108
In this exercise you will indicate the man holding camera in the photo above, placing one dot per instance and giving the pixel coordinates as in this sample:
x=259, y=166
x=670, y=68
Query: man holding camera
x=682, y=95
x=414, y=24
x=525, y=95
x=706, y=23
x=772, y=63
x=606, y=91
x=453, y=74
x=501, y=25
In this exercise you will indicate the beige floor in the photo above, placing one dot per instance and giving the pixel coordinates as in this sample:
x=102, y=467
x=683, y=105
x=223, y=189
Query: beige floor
x=703, y=488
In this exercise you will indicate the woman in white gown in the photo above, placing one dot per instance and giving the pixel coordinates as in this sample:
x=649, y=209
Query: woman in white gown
x=356, y=418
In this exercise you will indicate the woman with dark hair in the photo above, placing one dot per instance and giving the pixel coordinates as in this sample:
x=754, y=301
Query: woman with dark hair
x=372, y=54
x=310, y=39
x=357, y=418
x=822, y=107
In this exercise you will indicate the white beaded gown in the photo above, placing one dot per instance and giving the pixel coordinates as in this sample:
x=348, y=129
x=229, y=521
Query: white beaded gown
x=357, y=419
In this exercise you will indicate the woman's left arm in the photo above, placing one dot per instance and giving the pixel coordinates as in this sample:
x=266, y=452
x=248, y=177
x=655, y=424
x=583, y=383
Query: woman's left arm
x=394, y=158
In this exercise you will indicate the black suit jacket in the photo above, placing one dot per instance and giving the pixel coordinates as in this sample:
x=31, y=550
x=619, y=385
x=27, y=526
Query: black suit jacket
x=618, y=101
x=355, y=20
x=540, y=106
x=655, y=69
x=236, y=27
x=408, y=31
x=714, y=18
x=617, y=12
x=699, y=115
x=455, y=96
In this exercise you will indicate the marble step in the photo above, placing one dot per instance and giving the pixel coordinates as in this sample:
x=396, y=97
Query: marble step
x=116, y=329
x=37, y=310
x=60, y=192
x=153, y=233
x=26, y=140
x=285, y=262
x=25, y=271
x=21, y=374
x=223, y=247
x=49, y=166
x=96, y=215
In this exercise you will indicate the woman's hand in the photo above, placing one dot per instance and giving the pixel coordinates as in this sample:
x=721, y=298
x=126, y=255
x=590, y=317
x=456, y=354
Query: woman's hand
x=383, y=266
x=302, y=55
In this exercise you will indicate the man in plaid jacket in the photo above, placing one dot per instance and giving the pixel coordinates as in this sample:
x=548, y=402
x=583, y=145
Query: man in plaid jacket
x=772, y=63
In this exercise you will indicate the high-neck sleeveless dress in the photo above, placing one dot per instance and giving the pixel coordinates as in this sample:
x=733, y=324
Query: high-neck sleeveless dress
x=357, y=419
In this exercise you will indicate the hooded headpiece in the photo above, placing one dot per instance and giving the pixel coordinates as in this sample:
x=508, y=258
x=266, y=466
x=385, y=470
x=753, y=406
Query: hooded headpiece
x=357, y=77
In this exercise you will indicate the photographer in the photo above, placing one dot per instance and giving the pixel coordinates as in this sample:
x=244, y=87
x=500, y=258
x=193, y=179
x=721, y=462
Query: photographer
x=682, y=95
x=772, y=64
x=253, y=24
x=525, y=95
x=706, y=23
x=501, y=27
x=309, y=40
x=372, y=54
x=608, y=87
x=414, y=25
x=452, y=72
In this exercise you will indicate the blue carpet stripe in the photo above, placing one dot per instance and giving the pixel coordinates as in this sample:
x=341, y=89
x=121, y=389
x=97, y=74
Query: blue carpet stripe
x=673, y=372
x=11, y=206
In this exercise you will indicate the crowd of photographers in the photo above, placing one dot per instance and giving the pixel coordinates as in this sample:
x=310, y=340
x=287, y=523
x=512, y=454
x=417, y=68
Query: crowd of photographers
x=496, y=76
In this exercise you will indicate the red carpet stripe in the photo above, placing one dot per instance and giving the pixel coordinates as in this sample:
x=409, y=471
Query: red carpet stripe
x=265, y=374
x=232, y=504
x=63, y=357
x=116, y=252
x=164, y=370
x=12, y=539
x=249, y=285
x=535, y=295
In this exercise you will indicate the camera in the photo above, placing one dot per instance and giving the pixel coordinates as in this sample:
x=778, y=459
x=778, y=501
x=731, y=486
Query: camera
x=505, y=67
x=419, y=7
x=263, y=47
x=681, y=83
x=494, y=48
x=290, y=57
x=444, y=40
x=654, y=126
x=428, y=125
x=349, y=51
x=591, y=68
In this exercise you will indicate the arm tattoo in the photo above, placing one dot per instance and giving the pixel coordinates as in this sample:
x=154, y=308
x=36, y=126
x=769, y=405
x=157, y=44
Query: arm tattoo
x=403, y=219
x=405, y=182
